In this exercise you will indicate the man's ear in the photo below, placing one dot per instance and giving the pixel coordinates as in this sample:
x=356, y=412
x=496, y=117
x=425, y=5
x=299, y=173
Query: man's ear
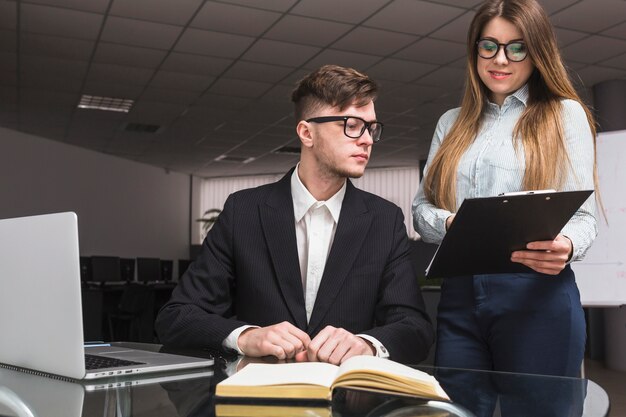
x=304, y=133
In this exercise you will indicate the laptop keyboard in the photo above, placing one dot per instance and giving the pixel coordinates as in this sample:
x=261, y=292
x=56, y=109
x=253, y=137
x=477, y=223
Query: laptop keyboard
x=99, y=362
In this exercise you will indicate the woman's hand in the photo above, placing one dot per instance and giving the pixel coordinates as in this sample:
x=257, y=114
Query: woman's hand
x=547, y=256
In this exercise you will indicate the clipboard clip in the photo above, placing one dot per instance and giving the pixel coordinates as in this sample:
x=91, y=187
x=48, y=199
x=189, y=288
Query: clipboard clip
x=527, y=192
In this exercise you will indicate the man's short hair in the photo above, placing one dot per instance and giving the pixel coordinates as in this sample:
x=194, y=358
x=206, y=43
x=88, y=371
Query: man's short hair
x=332, y=85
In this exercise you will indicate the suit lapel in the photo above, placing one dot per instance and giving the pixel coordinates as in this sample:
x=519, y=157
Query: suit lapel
x=354, y=223
x=277, y=220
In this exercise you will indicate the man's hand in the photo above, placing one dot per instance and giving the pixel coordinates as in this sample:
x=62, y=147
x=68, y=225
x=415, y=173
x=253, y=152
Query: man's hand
x=282, y=340
x=334, y=345
x=547, y=257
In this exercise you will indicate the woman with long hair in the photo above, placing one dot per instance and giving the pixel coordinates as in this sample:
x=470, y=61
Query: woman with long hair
x=521, y=126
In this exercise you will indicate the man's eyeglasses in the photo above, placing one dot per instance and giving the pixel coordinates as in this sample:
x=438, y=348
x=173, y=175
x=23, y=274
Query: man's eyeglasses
x=353, y=127
x=514, y=51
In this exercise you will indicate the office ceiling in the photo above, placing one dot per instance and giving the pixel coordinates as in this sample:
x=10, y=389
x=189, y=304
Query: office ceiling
x=213, y=77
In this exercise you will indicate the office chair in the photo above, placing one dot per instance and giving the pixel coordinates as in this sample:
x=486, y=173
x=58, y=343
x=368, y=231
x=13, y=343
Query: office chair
x=134, y=316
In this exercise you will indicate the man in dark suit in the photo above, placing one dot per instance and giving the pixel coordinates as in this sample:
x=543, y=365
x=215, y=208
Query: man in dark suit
x=309, y=267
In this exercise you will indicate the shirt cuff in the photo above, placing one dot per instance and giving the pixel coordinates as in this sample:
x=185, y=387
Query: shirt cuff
x=381, y=351
x=231, y=340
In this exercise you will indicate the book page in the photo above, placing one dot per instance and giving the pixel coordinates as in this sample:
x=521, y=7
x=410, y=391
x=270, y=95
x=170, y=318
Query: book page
x=385, y=374
x=373, y=363
x=258, y=374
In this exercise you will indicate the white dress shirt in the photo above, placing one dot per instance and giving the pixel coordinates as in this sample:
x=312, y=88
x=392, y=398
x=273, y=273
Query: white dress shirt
x=315, y=225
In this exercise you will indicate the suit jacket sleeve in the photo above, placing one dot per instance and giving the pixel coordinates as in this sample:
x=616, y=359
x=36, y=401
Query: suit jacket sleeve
x=402, y=324
x=201, y=311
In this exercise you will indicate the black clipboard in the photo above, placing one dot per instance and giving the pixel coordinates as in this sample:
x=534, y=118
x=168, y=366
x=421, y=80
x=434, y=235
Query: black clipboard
x=486, y=230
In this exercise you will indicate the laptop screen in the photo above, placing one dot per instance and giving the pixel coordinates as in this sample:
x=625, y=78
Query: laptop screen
x=40, y=301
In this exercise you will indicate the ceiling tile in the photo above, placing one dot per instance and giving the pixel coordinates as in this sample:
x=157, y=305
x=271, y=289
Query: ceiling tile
x=617, y=62
x=195, y=64
x=223, y=101
x=63, y=68
x=456, y=30
x=294, y=77
x=239, y=88
x=37, y=96
x=374, y=41
x=459, y=63
x=186, y=82
x=8, y=94
x=565, y=37
x=8, y=15
x=8, y=61
x=8, y=41
x=59, y=22
x=392, y=105
x=433, y=51
x=280, y=53
x=213, y=43
x=617, y=31
x=552, y=6
x=594, y=49
x=307, y=31
x=276, y=5
x=107, y=89
x=55, y=47
x=140, y=33
x=177, y=12
x=118, y=74
x=349, y=11
x=417, y=93
x=132, y=56
x=278, y=94
x=399, y=70
x=96, y=6
x=413, y=16
x=467, y=4
x=8, y=119
x=50, y=132
x=8, y=83
x=253, y=71
x=169, y=95
x=444, y=77
x=154, y=112
x=83, y=119
x=50, y=82
x=591, y=16
x=343, y=58
x=229, y=18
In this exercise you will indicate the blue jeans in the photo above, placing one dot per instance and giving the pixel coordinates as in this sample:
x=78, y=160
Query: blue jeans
x=526, y=323
x=530, y=323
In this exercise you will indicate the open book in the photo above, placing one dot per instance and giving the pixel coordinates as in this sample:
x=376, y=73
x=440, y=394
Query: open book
x=316, y=380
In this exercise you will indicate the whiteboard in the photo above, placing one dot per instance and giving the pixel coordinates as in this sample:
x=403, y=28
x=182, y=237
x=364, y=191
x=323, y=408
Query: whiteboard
x=601, y=276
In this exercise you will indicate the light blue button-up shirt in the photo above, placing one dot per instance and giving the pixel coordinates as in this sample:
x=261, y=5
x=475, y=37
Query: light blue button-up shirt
x=491, y=166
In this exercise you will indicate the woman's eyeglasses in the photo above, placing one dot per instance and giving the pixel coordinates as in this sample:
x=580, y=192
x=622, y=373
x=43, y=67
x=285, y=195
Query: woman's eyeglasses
x=353, y=127
x=514, y=51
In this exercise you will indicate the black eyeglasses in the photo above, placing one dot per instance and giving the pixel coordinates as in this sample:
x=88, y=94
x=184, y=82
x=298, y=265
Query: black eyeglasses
x=353, y=127
x=514, y=51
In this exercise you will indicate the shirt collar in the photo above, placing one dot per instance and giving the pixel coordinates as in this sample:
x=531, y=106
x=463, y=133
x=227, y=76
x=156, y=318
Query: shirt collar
x=520, y=95
x=303, y=200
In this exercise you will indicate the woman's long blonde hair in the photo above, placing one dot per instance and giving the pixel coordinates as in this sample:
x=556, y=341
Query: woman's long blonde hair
x=539, y=129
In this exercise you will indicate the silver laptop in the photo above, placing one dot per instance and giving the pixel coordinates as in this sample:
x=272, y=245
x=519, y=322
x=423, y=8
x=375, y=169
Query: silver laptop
x=40, y=306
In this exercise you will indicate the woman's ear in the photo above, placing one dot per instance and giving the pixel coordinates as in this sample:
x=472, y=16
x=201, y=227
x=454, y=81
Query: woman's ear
x=304, y=133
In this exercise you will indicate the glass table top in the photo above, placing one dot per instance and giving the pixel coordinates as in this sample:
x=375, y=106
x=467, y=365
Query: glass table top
x=474, y=393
